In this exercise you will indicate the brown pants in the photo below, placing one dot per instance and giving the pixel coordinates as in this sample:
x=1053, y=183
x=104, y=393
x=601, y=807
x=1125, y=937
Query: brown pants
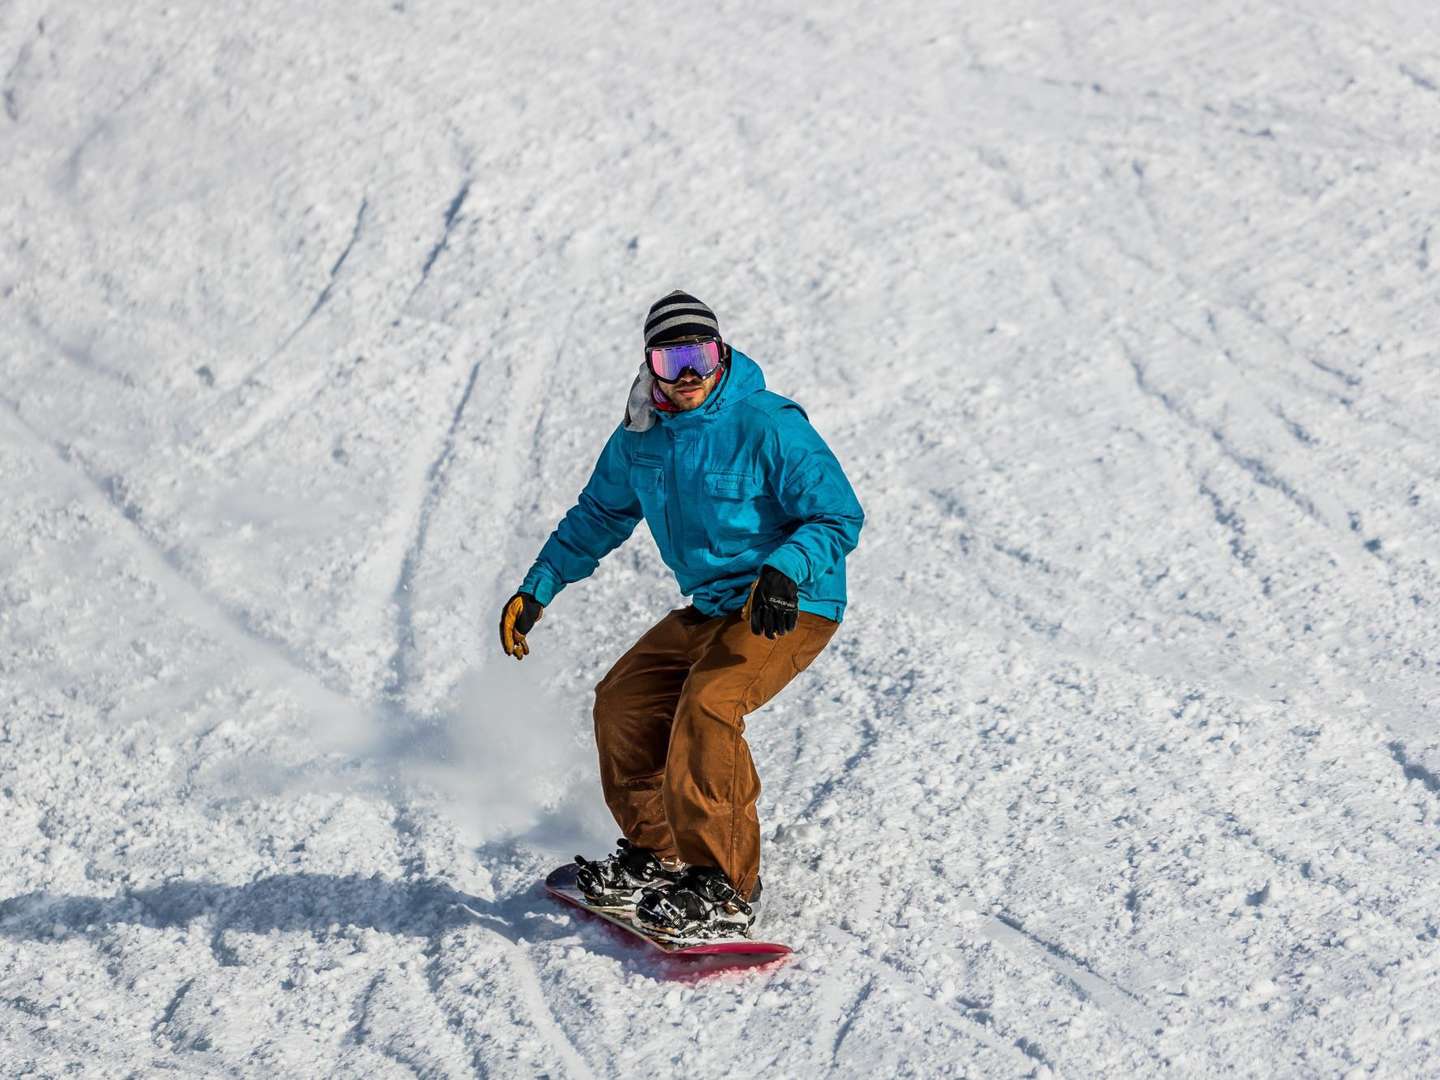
x=670, y=728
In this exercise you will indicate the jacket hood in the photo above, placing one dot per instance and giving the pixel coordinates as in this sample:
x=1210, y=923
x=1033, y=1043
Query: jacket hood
x=742, y=378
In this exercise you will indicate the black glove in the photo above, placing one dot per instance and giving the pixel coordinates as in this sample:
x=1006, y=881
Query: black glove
x=522, y=611
x=772, y=603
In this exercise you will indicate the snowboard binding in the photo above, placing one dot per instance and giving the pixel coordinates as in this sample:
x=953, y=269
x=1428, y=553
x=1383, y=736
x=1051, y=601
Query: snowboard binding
x=616, y=882
x=701, y=904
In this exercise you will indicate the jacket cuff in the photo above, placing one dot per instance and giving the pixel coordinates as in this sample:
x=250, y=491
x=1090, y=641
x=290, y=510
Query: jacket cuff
x=791, y=563
x=540, y=584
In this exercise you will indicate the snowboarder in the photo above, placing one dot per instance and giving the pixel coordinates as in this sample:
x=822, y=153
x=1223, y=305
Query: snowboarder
x=754, y=515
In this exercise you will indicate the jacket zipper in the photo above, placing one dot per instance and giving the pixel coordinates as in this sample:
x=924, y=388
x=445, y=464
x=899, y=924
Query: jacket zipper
x=674, y=521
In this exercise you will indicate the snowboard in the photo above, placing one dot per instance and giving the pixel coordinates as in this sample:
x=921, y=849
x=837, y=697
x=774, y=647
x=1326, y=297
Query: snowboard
x=561, y=885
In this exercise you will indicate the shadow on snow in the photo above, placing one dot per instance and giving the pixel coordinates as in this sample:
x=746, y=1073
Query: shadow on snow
x=311, y=903
x=284, y=902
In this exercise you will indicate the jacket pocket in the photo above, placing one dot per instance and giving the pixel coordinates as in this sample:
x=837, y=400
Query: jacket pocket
x=647, y=480
x=730, y=512
x=721, y=485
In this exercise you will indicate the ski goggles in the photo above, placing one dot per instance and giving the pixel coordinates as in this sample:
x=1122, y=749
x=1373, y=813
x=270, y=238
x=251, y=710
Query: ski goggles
x=669, y=362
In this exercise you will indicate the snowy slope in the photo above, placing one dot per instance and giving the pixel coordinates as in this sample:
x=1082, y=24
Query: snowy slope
x=312, y=320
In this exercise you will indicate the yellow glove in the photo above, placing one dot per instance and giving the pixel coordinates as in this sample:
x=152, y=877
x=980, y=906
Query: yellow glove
x=522, y=611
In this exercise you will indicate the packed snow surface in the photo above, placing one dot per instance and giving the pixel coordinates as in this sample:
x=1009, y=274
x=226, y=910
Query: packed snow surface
x=1122, y=318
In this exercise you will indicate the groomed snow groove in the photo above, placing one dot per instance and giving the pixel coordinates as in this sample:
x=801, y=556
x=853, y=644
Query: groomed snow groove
x=1122, y=319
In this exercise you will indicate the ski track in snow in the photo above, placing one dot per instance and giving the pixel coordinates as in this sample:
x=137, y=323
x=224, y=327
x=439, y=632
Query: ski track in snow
x=1122, y=321
x=405, y=583
x=245, y=642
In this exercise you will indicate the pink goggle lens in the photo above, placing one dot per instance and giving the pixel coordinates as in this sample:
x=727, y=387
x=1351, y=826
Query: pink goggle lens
x=669, y=362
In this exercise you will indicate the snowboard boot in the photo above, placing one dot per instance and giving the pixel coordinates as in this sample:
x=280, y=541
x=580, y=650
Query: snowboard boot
x=701, y=904
x=615, y=883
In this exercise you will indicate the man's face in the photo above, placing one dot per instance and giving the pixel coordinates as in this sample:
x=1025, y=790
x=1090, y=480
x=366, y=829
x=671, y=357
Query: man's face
x=690, y=391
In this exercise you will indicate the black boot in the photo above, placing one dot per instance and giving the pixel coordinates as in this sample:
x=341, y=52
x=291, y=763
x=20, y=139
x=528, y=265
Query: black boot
x=615, y=883
x=701, y=904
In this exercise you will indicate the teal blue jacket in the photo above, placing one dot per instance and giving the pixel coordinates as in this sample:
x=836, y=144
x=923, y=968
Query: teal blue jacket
x=741, y=482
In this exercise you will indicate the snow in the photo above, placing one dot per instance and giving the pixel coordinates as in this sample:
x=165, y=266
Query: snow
x=1122, y=320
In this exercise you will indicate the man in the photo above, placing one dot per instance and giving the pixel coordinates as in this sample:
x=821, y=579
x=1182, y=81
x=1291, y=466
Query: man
x=752, y=512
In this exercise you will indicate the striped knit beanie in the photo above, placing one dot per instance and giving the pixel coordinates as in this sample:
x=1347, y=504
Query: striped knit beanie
x=678, y=315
